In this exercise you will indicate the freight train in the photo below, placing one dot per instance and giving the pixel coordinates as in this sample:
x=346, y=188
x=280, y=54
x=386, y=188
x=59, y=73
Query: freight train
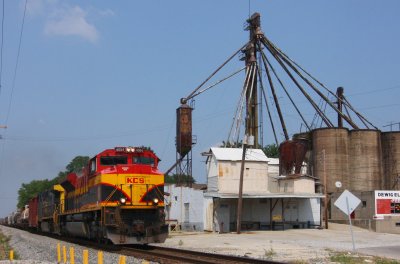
x=118, y=197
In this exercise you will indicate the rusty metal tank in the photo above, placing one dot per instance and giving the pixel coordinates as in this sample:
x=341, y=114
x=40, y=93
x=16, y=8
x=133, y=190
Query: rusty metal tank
x=391, y=159
x=365, y=150
x=183, y=129
x=331, y=156
x=292, y=154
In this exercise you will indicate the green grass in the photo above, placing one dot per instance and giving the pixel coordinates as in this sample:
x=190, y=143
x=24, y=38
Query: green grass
x=354, y=258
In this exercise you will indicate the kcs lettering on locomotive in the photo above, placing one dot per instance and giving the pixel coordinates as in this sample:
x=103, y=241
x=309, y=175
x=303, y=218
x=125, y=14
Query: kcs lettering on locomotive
x=132, y=180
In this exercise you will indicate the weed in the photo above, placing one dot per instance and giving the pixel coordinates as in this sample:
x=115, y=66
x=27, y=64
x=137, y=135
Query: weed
x=352, y=258
x=180, y=242
x=269, y=254
x=386, y=261
x=4, y=247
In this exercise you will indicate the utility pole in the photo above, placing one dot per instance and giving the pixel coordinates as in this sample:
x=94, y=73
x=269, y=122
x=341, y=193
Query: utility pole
x=240, y=198
x=248, y=141
x=339, y=93
x=326, y=193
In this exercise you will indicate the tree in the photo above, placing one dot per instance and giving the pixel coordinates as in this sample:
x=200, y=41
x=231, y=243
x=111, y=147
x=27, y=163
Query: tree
x=272, y=151
x=228, y=144
x=175, y=178
x=77, y=164
x=30, y=190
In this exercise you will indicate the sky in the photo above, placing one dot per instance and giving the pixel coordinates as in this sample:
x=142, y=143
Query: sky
x=92, y=75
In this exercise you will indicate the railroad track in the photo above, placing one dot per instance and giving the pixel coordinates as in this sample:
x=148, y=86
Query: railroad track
x=162, y=255
x=165, y=255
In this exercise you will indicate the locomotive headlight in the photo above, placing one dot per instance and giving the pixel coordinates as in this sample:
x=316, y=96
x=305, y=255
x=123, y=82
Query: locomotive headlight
x=155, y=201
x=122, y=200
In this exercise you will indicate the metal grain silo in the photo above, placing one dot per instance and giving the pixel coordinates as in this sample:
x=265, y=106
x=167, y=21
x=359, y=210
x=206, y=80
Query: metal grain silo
x=391, y=159
x=292, y=154
x=183, y=129
x=366, y=172
x=330, y=156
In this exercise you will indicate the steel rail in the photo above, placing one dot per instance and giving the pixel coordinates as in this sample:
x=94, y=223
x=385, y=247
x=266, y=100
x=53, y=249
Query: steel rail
x=166, y=255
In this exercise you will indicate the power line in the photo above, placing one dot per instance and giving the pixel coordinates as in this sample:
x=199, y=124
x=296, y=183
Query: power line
x=16, y=64
x=14, y=78
x=1, y=49
x=375, y=91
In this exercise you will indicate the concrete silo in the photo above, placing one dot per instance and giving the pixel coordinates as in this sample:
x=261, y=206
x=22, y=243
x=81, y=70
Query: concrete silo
x=391, y=159
x=365, y=165
x=331, y=157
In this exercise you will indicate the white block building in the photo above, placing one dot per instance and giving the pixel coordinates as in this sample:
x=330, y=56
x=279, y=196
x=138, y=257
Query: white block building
x=184, y=206
x=270, y=201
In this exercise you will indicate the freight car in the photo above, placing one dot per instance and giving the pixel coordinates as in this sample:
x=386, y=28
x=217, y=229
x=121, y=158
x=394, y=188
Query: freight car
x=118, y=197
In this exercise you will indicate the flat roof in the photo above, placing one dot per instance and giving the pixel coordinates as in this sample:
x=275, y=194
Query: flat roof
x=235, y=154
x=264, y=195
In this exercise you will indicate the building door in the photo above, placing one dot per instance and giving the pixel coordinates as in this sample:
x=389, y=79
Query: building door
x=186, y=213
x=291, y=211
x=223, y=218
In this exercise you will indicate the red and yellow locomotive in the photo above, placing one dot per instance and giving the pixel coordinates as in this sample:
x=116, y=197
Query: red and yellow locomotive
x=118, y=197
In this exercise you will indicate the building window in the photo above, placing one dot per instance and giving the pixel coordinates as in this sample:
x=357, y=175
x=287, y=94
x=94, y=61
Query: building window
x=364, y=204
x=186, y=212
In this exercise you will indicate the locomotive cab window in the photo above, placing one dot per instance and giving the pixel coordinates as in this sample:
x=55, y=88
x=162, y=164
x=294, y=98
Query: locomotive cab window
x=93, y=165
x=144, y=160
x=113, y=160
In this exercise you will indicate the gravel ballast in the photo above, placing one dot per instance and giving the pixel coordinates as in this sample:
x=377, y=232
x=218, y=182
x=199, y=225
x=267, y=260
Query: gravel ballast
x=31, y=248
x=304, y=245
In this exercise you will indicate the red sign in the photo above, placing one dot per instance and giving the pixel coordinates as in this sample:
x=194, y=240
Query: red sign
x=383, y=206
x=387, y=203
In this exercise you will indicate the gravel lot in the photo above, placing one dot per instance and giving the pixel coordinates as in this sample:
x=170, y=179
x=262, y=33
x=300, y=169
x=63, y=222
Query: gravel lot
x=309, y=245
x=32, y=248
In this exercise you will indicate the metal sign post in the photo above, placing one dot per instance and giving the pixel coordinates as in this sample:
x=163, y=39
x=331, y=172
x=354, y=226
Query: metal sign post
x=351, y=226
x=347, y=203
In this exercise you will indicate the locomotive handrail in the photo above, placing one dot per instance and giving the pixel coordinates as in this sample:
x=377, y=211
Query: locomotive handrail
x=161, y=194
x=110, y=195
x=103, y=220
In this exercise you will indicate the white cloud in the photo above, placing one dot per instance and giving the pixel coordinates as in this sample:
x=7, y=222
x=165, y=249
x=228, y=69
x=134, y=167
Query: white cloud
x=71, y=21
